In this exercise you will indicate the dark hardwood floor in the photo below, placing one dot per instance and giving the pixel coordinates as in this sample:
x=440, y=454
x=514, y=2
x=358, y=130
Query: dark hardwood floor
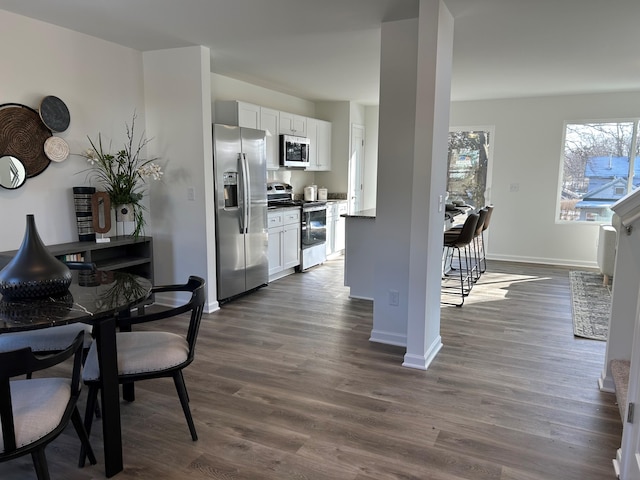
x=286, y=385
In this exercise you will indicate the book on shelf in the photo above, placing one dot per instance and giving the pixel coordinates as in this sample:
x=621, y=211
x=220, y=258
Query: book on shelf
x=72, y=257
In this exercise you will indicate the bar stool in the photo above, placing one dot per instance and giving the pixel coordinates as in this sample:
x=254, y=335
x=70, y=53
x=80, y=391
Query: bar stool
x=457, y=241
x=487, y=220
x=475, y=247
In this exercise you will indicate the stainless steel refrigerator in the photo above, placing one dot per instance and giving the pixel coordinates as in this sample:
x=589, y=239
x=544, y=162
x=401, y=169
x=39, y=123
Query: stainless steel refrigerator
x=240, y=169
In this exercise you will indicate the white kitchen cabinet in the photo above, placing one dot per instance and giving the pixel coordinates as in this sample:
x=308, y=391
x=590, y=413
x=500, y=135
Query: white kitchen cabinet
x=284, y=241
x=319, y=133
x=335, y=227
x=292, y=124
x=270, y=123
x=243, y=114
x=291, y=244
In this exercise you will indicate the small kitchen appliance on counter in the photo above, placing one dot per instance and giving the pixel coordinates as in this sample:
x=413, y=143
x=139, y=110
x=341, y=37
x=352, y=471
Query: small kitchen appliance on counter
x=309, y=194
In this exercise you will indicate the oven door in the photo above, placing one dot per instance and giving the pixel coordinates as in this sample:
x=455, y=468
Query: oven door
x=314, y=226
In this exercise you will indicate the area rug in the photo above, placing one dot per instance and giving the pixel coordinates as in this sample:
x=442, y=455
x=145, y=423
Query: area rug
x=590, y=304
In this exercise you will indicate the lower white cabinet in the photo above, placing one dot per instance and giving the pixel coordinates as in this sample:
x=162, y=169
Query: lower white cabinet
x=336, y=226
x=284, y=240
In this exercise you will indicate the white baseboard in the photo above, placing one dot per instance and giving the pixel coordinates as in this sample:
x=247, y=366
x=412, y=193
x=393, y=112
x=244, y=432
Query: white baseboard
x=388, y=338
x=422, y=362
x=542, y=261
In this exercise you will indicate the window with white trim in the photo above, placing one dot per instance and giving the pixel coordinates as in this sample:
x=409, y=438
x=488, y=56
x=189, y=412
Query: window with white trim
x=468, y=165
x=598, y=168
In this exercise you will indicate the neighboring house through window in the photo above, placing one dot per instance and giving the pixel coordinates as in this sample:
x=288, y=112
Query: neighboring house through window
x=598, y=169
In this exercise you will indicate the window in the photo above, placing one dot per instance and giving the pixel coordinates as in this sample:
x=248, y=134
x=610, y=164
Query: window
x=468, y=164
x=598, y=169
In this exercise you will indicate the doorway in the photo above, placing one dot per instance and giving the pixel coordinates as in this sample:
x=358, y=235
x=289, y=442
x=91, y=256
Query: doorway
x=356, y=168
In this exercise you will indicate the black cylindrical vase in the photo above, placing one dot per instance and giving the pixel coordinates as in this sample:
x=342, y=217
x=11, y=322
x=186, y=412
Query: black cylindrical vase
x=82, y=197
x=34, y=272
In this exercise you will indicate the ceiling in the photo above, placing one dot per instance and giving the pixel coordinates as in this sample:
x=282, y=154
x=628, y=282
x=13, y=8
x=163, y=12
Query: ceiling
x=329, y=49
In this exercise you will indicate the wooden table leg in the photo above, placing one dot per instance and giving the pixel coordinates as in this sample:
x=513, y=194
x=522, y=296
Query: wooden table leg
x=105, y=336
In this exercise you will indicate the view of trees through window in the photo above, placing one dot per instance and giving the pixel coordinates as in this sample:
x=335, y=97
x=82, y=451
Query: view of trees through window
x=598, y=169
x=467, y=166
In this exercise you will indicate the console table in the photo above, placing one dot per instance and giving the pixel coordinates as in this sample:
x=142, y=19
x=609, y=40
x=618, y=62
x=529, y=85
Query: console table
x=122, y=253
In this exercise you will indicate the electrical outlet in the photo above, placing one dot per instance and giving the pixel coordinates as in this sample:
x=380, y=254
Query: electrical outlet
x=191, y=194
x=394, y=298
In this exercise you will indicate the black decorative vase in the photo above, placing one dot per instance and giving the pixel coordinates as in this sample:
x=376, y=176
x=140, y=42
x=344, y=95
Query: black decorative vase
x=34, y=272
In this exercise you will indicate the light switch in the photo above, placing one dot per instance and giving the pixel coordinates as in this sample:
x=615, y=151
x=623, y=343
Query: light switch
x=191, y=194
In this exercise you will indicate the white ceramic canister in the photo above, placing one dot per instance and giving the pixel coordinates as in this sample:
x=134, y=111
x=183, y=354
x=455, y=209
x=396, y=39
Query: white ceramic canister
x=322, y=194
x=315, y=192
x=308, y=194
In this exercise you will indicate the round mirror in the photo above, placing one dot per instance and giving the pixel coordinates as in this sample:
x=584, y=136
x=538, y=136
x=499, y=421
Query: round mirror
x=12, y=172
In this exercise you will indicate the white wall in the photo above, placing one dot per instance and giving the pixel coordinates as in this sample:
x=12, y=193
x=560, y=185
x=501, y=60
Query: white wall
x=398, y=85
x=225, y=88
x=527, y=154
x=100, y=82
x=183, y=229
x=339, y=114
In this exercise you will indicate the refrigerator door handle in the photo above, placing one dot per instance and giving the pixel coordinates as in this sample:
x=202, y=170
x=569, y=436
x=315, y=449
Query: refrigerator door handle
x=242, y=197
x=246, y=193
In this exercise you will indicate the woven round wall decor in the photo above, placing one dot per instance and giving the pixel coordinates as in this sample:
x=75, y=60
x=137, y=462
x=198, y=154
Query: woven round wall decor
x=54, y=113
x=22, y=135
x=56, y=149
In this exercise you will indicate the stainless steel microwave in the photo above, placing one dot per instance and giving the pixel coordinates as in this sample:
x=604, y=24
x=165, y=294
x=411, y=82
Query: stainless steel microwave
x=294, y=151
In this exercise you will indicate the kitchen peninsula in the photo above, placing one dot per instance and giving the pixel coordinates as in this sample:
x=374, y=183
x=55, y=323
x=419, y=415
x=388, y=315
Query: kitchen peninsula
x=359, y=248
x=358, y=254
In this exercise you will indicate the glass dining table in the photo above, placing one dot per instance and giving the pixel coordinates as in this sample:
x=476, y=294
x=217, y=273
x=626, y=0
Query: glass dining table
x=99, y=298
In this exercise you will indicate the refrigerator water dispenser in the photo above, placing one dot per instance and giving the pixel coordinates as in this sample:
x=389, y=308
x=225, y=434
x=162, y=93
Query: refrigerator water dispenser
x=230, y=182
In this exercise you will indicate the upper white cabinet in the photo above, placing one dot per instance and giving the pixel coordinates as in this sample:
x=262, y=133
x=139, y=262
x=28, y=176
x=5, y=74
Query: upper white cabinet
x=275, y=123
x=291, y=124
x=243, y=114
x=319, y=132
x=270, y=123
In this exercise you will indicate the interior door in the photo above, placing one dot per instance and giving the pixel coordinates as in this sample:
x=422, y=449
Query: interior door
x=356, y=168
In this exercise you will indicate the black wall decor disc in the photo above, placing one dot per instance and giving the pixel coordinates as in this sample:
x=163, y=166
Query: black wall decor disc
x=54, y=114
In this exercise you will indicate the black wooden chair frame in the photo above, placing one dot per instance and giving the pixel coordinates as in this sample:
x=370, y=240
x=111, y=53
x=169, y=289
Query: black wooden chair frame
x=195, y=305
x=24, y=362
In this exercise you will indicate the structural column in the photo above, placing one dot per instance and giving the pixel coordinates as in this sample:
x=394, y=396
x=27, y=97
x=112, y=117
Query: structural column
x=415, y=80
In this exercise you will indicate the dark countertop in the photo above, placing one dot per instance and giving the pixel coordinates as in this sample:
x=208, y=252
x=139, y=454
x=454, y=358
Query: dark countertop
x=369, y=213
